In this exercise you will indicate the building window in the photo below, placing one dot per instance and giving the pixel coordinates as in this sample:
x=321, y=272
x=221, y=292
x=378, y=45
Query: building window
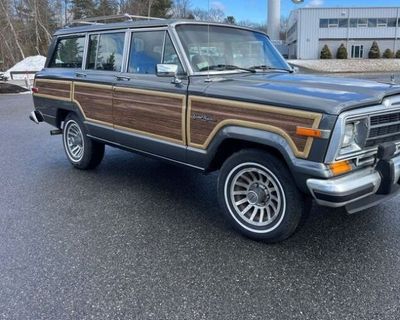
x=343, y=23
x=362, y=23
x=357, y=51
x=359, y=23
x=372, y=23
x=353, y=23
x=383, y=22
x=323, y=23
x=391, y=22
x=333, y=23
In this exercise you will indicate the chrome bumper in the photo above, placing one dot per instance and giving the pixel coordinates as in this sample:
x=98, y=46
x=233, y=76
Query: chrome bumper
x=355, y=187
x=36, y=116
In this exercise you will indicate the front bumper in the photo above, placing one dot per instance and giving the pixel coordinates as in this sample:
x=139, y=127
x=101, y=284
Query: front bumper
x=360, y=189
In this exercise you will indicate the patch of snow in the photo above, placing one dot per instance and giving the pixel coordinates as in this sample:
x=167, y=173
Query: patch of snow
x=33, y=63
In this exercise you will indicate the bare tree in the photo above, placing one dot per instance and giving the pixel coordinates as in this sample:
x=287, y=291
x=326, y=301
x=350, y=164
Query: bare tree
x=10, y=24
x=212, y=15
x=181, y=9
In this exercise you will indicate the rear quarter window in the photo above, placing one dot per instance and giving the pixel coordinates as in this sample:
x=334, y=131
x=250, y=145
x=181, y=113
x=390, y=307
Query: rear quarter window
x=68, y=53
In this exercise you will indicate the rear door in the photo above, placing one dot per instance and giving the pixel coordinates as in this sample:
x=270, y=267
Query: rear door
x=93, y=86
x=149, y=111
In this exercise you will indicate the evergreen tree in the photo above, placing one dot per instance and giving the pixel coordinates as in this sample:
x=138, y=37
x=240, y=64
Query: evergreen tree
x=374, y=52
x=106, y=7
x=326, y=53
x=160, y=8
x=83, y=9
x=341, y=52
x=230, y=20
x=388, y=54
x=398, y=54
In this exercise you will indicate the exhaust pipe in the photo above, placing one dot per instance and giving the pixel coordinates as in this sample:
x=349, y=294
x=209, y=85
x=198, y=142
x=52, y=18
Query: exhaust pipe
x=36, y=117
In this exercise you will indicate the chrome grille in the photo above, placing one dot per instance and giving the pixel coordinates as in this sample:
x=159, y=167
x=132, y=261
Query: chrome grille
x=384, y=128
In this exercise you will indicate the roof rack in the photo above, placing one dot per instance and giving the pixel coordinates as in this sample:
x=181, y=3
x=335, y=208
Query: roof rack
x=125, y=16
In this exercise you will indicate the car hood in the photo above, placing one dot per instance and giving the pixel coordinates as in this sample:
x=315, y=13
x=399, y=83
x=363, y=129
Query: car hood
x=331, y=95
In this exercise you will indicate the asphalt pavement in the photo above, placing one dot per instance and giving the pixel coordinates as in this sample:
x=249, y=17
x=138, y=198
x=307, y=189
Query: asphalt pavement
x=143, y=239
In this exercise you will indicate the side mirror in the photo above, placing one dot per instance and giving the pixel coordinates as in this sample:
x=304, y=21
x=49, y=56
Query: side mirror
x=166, y=70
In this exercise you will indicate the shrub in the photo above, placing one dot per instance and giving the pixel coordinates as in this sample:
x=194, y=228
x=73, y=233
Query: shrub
x=388, y=54
x=326, y=53
x=374, y=52
x=398, y=54
x=341, y=52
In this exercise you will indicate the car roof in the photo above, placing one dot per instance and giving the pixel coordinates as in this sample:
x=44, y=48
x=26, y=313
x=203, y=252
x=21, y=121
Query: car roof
x=137, y=24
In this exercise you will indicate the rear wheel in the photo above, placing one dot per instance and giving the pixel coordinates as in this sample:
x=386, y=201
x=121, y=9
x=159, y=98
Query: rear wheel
x=83, y=152
x=259, y=196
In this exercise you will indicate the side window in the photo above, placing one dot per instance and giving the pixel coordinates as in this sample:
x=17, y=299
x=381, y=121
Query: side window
x=170, y=55
x=68, y=53
x=105, y=51
x=145, y=51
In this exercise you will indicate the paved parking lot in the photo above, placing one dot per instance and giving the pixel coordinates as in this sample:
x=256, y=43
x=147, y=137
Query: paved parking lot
x=141, y=239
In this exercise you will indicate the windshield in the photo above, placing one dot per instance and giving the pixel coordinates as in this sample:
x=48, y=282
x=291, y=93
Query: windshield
x=220, y=48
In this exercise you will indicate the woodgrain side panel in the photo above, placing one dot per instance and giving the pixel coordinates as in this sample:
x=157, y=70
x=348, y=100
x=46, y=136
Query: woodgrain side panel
x=95, y=101
x=220, y=113
x=153, y=113
x=53, y=89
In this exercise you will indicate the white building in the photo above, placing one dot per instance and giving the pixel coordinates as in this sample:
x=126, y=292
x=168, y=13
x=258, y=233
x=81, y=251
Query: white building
x=309, y=29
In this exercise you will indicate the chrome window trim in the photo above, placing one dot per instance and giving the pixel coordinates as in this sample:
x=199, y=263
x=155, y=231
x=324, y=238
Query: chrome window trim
x=332, y=154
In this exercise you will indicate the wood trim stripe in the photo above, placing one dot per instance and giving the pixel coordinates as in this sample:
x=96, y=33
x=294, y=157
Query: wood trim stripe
x=315, y=117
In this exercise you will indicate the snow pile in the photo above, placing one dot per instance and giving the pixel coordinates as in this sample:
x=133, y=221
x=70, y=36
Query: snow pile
x=33, y=63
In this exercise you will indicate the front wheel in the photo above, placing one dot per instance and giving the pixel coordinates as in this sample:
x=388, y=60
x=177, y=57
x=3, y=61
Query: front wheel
x=259, y=196
x=83, y=152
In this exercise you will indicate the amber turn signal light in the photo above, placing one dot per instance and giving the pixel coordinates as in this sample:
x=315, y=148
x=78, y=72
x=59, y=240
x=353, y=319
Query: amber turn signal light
x=341, y=167
x=308, y=132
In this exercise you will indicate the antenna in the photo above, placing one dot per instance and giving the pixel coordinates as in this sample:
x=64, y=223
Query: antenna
x=208, y=43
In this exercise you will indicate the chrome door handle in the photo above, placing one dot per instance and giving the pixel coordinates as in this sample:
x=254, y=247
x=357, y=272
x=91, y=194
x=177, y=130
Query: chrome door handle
x=123, y=78
x=80, y=75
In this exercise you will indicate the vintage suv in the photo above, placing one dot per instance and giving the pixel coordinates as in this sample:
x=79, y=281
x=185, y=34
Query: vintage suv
x=221, y=97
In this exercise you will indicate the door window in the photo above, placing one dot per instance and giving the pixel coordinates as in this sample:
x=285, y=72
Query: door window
x=146, y=51
x=105, y=51
x=170, y=56
x=149, y=48
x=68, y=53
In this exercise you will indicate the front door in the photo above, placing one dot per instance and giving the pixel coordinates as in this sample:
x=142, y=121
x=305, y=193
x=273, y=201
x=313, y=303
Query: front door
x=149, y=111
x=357, y=51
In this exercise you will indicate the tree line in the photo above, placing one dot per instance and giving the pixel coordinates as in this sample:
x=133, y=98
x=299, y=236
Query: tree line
x=26, y=26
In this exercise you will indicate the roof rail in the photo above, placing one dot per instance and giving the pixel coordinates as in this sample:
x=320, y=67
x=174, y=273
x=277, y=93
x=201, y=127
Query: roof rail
x=125, y=16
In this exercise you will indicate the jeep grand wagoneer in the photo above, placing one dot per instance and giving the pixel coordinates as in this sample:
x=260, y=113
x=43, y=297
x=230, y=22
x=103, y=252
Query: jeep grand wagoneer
x=220, y=97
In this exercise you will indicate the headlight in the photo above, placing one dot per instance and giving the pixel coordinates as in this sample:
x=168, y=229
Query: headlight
x=349, y=135
x=355, y=136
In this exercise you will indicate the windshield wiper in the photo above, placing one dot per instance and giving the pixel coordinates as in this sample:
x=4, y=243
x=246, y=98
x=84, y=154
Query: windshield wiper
x=221, y=67
x=265, y=67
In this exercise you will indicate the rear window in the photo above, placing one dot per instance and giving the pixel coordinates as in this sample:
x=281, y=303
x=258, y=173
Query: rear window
x=68, y=53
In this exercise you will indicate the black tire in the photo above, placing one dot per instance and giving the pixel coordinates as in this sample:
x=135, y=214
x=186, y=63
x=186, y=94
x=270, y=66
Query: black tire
x=90, y=152
x=261, y=181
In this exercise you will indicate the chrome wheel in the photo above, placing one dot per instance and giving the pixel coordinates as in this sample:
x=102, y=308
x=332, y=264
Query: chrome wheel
x=257, y=200
x=74, y=142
